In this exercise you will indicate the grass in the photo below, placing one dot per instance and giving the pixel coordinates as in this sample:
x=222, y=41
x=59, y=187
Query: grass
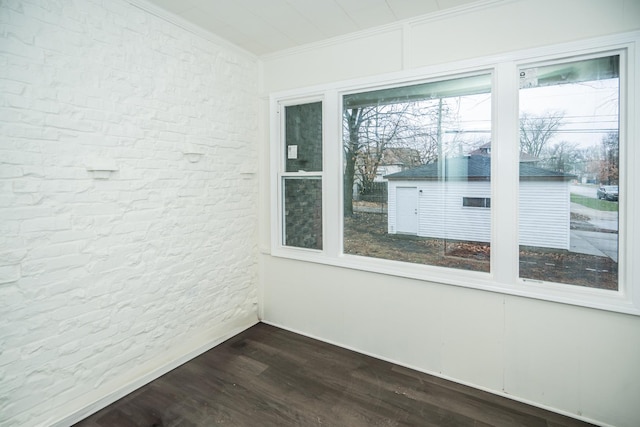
x=365, y=234
x=601, y=205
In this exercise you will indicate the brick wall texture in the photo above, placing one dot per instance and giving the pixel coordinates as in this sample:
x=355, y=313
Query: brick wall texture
x=116, y=243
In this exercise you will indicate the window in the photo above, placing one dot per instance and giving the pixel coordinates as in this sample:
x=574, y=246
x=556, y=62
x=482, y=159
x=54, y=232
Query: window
x=476, y=202
x=569, y=140
x=301, y=181
x=428, y=139
x=513, y=176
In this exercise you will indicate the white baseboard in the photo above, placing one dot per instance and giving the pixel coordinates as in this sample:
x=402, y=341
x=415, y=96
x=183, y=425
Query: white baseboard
x=80, y=408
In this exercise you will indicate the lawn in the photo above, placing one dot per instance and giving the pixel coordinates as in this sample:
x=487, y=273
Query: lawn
x=590, y=202
x=365, y=234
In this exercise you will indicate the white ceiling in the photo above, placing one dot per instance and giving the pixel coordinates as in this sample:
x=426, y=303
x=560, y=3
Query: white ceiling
x=267, y=26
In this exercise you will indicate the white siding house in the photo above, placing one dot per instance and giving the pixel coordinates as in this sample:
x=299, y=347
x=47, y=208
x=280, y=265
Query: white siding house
x=544, y=214
x=457, y=206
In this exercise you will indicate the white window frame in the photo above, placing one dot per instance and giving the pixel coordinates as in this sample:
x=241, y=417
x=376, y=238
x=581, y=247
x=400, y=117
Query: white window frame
x=503, y=276
x=278, y=163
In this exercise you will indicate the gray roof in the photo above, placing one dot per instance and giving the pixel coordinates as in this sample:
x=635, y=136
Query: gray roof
x=474, y=168
x=485, y=150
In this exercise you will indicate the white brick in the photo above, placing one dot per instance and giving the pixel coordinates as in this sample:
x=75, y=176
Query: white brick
x=9, y=228
x=26, y=185
x=12, y=87
x=56, y=250
x=10, y=171
x=26, y=212
x=46, y=224
x=10, y=273
x=108, y=267
x=13, y=46
x=46, y=106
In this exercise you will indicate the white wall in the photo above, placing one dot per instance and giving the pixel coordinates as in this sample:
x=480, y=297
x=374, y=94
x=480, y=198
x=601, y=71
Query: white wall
x=579, y=361
x=106, y=283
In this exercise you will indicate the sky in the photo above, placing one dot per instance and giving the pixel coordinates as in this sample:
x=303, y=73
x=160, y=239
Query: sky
x=590, y=111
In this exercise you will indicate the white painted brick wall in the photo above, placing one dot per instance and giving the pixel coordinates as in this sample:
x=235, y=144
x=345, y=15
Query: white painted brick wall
x=100, y=277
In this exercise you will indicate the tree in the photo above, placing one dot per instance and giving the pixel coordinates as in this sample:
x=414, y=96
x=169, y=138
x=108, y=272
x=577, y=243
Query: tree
x=535, y=132
x=562, y=156
x=609, y=164
x=369, y=131
x=378, y=134
x=353, y=119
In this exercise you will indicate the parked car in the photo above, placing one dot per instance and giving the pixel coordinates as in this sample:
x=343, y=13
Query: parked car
x=608, y=192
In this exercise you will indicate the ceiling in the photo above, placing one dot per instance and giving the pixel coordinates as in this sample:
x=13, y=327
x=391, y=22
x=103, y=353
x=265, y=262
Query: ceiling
x=267, y=26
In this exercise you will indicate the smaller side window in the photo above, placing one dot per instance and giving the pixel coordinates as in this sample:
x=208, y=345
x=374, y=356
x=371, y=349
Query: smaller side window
x=476, y=202
x=301, y=179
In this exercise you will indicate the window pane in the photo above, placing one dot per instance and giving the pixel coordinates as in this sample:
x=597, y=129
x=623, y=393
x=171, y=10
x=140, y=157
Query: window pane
x=569, y=165
x=303, y=212
x=476, y=202
x=412, y=155
x=303, y=137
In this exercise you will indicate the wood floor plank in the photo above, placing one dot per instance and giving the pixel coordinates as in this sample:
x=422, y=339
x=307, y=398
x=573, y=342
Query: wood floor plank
x=267, y=376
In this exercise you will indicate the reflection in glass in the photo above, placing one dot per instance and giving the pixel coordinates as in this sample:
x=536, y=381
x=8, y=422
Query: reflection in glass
x=303, y=137
x=303, y=212
x=301, y=187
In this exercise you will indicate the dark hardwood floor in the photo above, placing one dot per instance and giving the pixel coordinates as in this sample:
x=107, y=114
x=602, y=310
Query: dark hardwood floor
x=266, y=376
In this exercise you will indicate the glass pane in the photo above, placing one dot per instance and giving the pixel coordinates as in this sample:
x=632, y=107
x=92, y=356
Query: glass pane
x=569, y=165
x=414, y=158
x=303, y=212
x=303, y=137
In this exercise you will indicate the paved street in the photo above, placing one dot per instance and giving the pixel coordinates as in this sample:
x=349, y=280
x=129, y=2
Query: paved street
x=598, y=219
x=588, y=190
x=603, y=240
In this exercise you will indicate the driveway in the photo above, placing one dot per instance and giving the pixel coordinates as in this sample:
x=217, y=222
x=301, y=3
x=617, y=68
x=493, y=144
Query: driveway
x=597, y=235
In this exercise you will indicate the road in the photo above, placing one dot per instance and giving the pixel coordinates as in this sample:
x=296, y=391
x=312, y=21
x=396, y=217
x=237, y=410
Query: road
x=603, y=240
x=587, y=190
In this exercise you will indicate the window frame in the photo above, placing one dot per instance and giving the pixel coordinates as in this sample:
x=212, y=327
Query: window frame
x=503, y=276
x=278, y=163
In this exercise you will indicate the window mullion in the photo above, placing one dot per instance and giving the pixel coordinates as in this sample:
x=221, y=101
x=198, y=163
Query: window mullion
x=332, y=177
x=505, y=155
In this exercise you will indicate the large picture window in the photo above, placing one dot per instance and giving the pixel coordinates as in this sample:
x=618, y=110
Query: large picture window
x=432, y=141
x=515, y=175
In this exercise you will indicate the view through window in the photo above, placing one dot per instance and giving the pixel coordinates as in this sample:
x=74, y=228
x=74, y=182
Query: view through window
x=417, y=160
x=569, y=172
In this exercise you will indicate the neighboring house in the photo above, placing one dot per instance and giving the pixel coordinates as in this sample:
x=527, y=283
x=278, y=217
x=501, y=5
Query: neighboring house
x=423, y=203
x=396, y=160
x=393, y=160
x=485, y=150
